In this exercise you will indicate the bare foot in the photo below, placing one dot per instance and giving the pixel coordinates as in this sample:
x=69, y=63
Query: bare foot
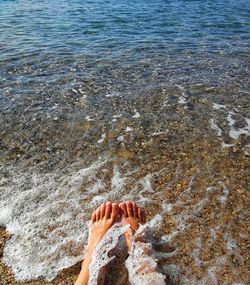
x=132, y=215
x=102, y=219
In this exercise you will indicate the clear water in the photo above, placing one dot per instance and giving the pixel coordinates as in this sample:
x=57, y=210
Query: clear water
x=142, y=100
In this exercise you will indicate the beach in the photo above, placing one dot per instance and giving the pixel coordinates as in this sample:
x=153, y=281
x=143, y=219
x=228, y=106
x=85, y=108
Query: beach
x=105, y=101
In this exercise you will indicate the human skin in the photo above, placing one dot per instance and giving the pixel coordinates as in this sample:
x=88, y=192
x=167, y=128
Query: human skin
x=102, y=219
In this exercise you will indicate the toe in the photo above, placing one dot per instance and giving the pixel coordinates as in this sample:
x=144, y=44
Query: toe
x=135, y=210
x=130, y=211
x=115, y=211
x=102, y=210
x=141, y=216
x=108, y=210
x=123, y=208
x=93, y=217
x=98, y=214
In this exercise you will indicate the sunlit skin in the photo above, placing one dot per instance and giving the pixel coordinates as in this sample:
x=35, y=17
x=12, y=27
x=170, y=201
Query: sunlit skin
x=102, y=219
x=134, y=216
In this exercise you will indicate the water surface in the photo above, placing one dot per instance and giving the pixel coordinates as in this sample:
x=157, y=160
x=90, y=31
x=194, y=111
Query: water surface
x=123, y=100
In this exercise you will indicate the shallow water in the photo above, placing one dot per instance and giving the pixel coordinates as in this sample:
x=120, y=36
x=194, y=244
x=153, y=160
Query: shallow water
x=107, y=100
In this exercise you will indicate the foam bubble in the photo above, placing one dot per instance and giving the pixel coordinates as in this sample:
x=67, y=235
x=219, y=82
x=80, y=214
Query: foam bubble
x=157, y=134
x=100, y=256
x=5, y=213
x=44, y=213
x=128, y=129
x=88, y=118
x=47, y=213
x=117, y=116
x=120, y=138
x=136, y=115
x=182, y=98
x=226, y=145
x=167, y=207
x=223, y=198
x=218, y=106
x=173, y=271
x=113, y=94
x=215, y=127
x=235, y=133
x=230, y=119
x=103, y=137
x=142, y=266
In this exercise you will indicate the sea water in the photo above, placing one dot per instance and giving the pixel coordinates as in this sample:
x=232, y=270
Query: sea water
x=116, y=100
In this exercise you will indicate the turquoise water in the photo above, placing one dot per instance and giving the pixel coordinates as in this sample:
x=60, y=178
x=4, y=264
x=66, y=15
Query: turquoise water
x=69, y=28
x=113, y=100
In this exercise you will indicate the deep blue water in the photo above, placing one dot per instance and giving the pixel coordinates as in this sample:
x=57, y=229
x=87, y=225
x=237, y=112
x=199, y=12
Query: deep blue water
x=116, y=27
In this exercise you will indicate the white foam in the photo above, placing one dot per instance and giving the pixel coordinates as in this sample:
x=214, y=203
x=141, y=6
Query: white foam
x=187, y=216
x=103, y=137
x=156, y=134
x=136, y=115
x=47, y=216
x=44, y=215
x=196, y=252
x=226, y=145
x=128, y=129
x=120, y=139
x=225, y=192
x=88, y=118
x=118, y=182
x=113, y=94
x=215, y=127
x=5, y=213
x=231, y=244
x=230, y=119
x=142, y=266
x=117, y=116
x=83, y=93
x=146, y=183
x=235, y=133
x=217, y=264
x=174, y=272
x=218, y=106
x=100, y=256
x=182, y=98
x=167, y=207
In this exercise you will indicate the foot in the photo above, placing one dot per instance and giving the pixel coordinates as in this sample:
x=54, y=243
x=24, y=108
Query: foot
x=132, y=215
x=102, y=219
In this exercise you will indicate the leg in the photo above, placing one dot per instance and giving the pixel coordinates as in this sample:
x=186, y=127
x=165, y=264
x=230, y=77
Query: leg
x=102, y=219
x=142, y=267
